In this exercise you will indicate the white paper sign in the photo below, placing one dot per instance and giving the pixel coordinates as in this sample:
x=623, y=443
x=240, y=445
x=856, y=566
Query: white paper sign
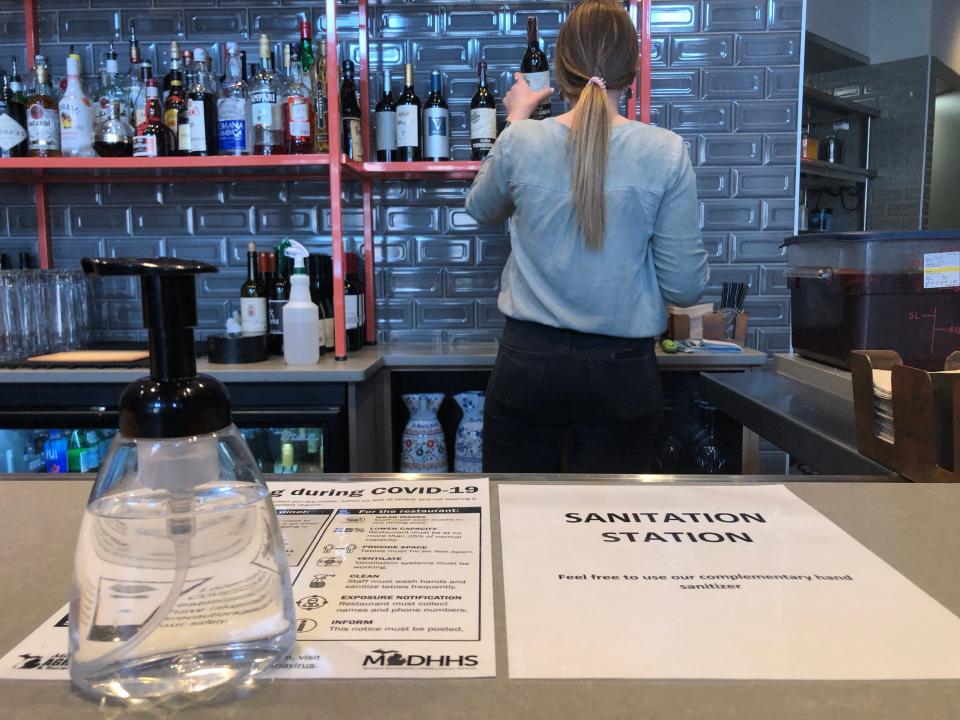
x=706, y=582
x=390, y=579
x=941, y=270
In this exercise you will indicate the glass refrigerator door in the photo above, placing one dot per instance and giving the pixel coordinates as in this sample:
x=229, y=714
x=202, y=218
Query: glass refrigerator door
x=295, y=441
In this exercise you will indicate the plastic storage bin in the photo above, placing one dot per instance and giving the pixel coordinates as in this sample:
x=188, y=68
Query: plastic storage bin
x=875, y=291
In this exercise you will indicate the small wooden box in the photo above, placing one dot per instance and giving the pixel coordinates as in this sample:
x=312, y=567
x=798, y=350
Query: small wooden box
x=917, y=427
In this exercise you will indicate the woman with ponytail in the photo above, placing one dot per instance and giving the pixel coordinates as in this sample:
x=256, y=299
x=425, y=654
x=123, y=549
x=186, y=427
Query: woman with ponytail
x=604, y=226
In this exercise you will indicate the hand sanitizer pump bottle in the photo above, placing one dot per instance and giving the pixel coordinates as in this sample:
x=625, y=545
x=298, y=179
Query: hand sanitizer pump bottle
x=181, y=587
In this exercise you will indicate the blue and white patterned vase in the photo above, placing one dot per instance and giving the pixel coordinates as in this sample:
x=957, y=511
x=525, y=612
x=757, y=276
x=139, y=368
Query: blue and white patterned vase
x=468, y=457
x=423, y=448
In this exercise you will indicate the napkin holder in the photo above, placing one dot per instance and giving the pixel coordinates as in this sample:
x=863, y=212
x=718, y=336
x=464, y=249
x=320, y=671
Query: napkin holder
x=915, y=452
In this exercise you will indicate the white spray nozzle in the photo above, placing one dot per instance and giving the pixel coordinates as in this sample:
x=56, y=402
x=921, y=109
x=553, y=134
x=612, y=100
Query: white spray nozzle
x=299, y=254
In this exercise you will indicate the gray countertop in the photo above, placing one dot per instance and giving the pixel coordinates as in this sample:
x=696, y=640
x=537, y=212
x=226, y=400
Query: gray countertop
x=814, y=425
x=363, y=364
x=912, y=527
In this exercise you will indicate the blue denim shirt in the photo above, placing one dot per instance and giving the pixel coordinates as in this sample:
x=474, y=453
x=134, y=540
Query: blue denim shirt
x=651, y=253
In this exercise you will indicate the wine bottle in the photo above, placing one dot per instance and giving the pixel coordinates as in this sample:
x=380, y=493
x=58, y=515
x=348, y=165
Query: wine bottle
x=279, y=294
x=318, y=296
x=153, y=139
x=483, y=117
x=202, y=108
x=266, y=101
x=253, y=297
x=436, y=122
x=353, y=306
x=326, y=274
x=43, y=116
x=535, y=69
x=386, y=119
x=14, y=141
x=16, y=82
x=350, y=114
x=408, y=119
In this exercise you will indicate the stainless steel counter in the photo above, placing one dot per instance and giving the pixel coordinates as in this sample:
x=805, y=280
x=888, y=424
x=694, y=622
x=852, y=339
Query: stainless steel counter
x=912, y=527
x=363, y=364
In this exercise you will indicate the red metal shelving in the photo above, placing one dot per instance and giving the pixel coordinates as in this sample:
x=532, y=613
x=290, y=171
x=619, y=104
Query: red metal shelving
x=165, y=169
x=41, y=171
x=446, y=170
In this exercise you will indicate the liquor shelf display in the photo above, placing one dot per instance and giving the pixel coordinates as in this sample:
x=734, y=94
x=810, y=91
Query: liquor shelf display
x=217, y=160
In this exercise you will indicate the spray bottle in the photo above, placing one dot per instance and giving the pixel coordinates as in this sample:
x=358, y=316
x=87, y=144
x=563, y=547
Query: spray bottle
x=179, y=536
x=301, y=317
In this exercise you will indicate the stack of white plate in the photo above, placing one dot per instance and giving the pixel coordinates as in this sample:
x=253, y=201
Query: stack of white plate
x=883, y=404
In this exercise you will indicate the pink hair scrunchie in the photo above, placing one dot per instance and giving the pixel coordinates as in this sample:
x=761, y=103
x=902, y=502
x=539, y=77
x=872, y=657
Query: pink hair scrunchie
x=598, y=81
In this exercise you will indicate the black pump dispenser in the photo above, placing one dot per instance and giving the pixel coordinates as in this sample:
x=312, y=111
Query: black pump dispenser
x=174, y=401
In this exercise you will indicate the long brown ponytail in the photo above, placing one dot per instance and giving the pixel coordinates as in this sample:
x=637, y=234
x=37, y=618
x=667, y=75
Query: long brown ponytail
x=597, y=40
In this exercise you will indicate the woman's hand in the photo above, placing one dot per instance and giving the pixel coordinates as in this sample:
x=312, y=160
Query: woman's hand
x=520, y=101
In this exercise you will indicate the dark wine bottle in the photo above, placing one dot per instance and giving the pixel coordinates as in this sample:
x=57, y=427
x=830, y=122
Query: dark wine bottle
x=408, y=119
x=436, y=122
x=535, y=69
x=483, y=117
x=253, y=297
x=317, y=296
x=350, y=114
x=353, y=307
x=386, y=119
x=279, y=294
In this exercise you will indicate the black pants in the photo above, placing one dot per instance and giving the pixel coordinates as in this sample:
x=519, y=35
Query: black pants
x=592, y=401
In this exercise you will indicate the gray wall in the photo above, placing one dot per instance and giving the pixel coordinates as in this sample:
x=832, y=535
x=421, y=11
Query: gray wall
x=944, y=208
x=726, y=76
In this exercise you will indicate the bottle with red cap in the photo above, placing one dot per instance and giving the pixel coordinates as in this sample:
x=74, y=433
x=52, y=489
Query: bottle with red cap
x=154, y=138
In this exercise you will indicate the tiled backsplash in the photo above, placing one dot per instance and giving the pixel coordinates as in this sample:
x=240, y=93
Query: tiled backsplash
x=725, y=75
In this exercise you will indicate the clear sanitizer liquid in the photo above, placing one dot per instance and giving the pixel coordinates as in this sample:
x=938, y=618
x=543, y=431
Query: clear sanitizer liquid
x=180, y=584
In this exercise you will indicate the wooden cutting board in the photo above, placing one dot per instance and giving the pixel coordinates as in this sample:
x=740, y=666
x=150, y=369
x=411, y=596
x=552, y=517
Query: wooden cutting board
x=91, y=357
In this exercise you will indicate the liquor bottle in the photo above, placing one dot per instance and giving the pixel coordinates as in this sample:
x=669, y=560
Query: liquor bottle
x=353, y=306
x=483, y=117
x=154, y=138
x=43, y=116
x=16, y=82
x=233, y=109
x=114, y=138
x=76, y=116
x=321, y=133
x=110, y=89
x=297, y=112
x=266, y=100
x=386, y=120
x=318, y=295
x=13, y=122
x=279, y=294
x=535, y=69
x=186, y=62
x=350, y=115
x=140, y=101
x=286, y=59
x=436, y=122
x=306, y=56
x=174, y=76
x=408, y=119
x=253, y=297
x=202, y=108
x=175, y=107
